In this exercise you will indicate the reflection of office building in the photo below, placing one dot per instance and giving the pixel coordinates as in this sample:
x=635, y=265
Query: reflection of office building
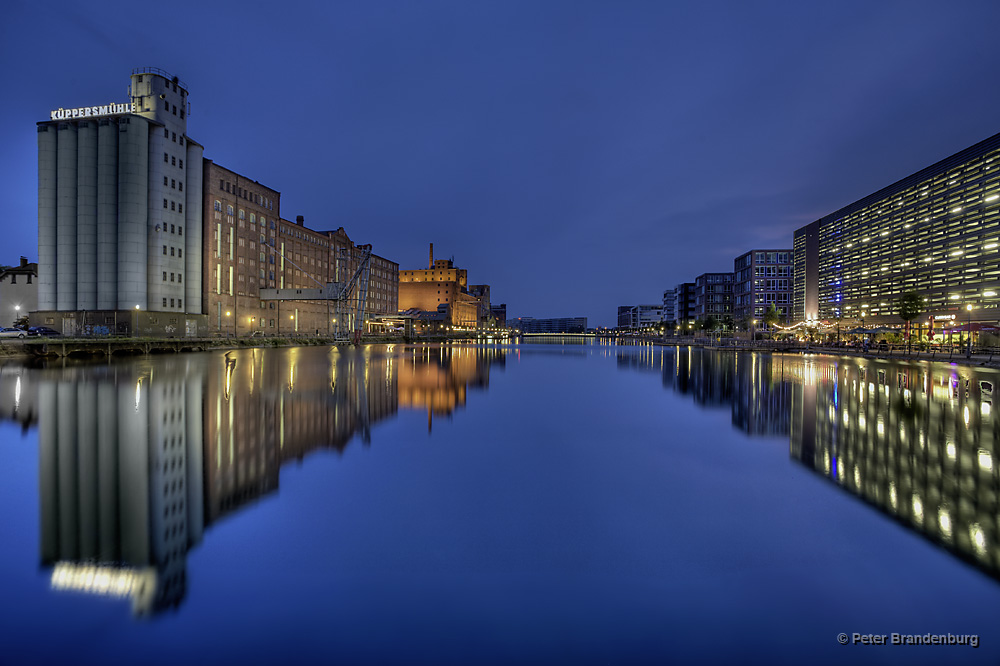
x=935, y=232
x=916, y=442
x=119, y=205
x=120, y=467
x=753, y=385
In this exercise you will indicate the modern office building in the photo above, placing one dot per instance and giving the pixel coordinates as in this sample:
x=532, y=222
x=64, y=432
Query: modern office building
x=762, y=278
x=639, y=316
x=499, y=313
x=713, y=293
x=113, y=216
x=936, y=233
x=685, y=302
x=552, y=325
x=670, y=306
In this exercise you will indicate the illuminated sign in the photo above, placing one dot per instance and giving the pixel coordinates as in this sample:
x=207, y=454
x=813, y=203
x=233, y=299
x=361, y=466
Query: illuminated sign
x=92, y=111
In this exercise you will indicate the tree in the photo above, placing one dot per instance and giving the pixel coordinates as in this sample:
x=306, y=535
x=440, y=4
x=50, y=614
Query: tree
x=771, y=316
x=910, y=306
x=709, y=323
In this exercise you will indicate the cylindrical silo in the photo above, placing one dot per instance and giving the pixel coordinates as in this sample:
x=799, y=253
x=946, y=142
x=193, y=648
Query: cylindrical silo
x=47, y=189
x=192, y=229
x=86, y=215
x=107, y=215
x=66, y=181
x=133, y=162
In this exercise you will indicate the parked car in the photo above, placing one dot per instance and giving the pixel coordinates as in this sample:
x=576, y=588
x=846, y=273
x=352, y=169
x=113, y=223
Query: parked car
x=42, y=330
x=12, y=333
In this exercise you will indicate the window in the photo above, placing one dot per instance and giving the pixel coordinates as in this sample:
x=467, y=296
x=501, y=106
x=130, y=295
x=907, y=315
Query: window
x=180, y=252
x=182, y=164
x=166, y=133
x=175, y=109
x=180, y=230
x=171, y=205
x=166, y=105
x=173, y=183
x=180, y=208
x=166, y=158
x=164, y=203
x=171, y=277
x=164, y=181
x=229, y=210
x=180, y=277
x=180, y=187
x=174, y=137
x=164, y=249
x=171, y=252
x=173, y=160
x=164, y=301
x=164, y=276
x=180, y=302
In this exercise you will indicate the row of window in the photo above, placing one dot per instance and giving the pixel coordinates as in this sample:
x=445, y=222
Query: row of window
x=234, y=189
x=174, y=185
x=179, y=207
x=179, y=277
x=167, y=107
x=172, y=161
x=180, y=302
x=167, y=134
x=180, y=252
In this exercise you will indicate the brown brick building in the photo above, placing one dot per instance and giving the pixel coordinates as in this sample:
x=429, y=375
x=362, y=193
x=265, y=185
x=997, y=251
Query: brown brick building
x=249, y=247
x=441, y=285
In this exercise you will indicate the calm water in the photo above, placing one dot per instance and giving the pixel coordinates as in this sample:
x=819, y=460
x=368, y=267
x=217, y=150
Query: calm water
x=519, y=504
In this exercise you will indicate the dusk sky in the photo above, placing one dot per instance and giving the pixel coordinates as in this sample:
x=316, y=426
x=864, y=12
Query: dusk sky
x=574, y=155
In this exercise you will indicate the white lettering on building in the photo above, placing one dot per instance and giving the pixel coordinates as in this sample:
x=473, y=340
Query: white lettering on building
x=92, y=111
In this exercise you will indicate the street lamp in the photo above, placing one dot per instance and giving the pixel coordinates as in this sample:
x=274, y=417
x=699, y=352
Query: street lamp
x=228, y=314
x=135, y=329
x=968, y=342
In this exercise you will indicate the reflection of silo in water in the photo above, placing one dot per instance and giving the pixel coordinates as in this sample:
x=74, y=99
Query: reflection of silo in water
x=120, y=482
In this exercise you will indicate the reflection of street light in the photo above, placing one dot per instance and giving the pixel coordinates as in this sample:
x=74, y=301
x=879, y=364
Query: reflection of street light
x=968, y=346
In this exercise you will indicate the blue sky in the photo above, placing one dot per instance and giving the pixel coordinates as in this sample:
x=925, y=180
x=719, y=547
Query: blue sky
x=575, y=155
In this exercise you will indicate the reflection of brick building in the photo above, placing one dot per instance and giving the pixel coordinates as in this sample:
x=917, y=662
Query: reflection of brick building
x=440, y=286
x=248, y=247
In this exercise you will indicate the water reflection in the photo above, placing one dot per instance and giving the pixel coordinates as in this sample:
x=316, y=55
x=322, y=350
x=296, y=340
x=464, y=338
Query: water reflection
x=138, y=458
x=916, y=441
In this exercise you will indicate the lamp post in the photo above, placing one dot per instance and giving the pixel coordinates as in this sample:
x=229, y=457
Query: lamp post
x=968, y=342
x=135, y=328
x=17, y=313
x=228, y=315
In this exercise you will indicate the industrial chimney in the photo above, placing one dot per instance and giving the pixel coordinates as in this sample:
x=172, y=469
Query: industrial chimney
x=431, y=264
